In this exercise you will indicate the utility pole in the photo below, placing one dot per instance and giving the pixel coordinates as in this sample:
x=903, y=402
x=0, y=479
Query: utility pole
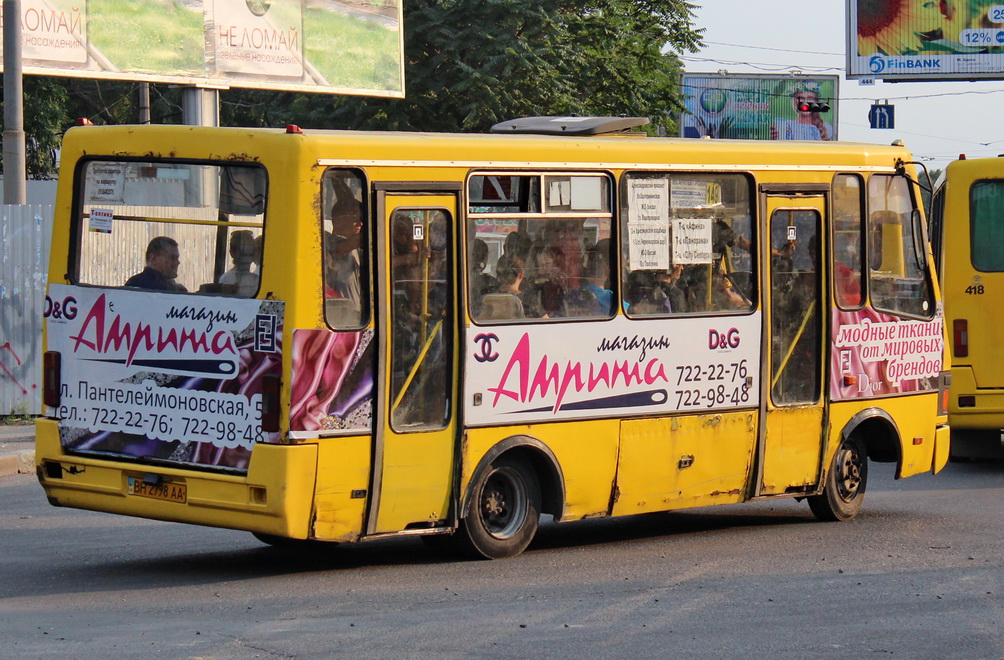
x=14, y=186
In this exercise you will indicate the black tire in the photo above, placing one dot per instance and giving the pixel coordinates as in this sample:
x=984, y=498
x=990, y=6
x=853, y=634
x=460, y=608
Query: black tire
x=503, y=510
x=846, y=479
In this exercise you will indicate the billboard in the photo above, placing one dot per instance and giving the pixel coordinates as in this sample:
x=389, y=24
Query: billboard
x=921, y=40
x=334, y=46
x=759, y=107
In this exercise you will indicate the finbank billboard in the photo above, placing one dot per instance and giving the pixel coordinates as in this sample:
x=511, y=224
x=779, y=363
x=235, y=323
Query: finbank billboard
x=925, y=40
x=341, y=46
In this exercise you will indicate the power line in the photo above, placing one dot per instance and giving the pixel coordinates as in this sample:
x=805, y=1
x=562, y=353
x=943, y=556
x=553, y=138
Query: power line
x=780, y=50
x=762, y=66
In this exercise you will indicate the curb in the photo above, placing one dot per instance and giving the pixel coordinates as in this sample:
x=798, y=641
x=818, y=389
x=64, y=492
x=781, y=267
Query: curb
x=17, y=450
x=19, y=462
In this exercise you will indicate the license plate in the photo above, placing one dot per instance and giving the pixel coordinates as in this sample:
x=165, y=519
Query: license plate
x=165, y=490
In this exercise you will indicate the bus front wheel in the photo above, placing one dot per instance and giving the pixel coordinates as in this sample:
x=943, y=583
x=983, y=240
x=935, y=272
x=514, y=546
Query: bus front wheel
x=844, y=491
x=503, y=510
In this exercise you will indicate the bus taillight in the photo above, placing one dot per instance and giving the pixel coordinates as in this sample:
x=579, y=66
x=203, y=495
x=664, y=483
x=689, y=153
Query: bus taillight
x=271, y=387
x=51, y=377
x=960, y=337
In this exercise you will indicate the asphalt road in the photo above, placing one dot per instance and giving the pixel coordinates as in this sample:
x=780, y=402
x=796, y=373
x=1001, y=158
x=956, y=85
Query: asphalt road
x=920, y=574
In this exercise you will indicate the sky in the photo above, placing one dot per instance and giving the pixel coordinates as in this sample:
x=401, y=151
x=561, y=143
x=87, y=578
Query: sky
x=937, y=121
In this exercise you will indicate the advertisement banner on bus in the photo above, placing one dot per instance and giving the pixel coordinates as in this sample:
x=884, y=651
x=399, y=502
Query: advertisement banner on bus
x=155, y=375
x=917, y=40
x=690, y=364
x=293, y=45
x=876, y=354
x=759, y=107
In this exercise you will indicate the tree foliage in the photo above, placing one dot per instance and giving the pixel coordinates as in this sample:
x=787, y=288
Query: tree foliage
x=468, y=64
x=472, y=63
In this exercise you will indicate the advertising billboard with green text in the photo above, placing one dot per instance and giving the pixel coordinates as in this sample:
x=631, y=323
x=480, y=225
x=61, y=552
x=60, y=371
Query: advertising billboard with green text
x=334, y=46
x=759, y=106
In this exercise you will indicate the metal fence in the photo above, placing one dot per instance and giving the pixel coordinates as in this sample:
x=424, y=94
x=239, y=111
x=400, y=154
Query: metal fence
x=25, y=232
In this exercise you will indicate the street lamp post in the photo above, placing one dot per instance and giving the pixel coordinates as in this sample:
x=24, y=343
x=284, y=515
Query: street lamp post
x=14, y=186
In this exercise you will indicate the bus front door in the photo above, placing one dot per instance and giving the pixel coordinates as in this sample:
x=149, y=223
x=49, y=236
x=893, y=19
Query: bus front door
x=792, y=440
x=415, y=429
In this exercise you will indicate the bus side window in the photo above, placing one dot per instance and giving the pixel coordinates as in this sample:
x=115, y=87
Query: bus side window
x=848, y=240
x=688, y=245
x=344, y=248
x=542, y=264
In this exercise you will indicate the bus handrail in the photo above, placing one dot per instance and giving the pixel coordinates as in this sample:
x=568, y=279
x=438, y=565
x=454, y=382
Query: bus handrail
x=418, y=363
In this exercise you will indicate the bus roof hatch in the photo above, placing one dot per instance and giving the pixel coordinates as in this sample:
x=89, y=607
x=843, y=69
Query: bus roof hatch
x=569, y=125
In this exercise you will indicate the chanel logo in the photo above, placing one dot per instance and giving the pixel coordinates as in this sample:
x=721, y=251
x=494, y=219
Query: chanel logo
x=488, y=353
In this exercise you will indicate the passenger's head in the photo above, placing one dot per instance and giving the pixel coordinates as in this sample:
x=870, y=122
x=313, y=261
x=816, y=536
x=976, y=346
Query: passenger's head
x=259, y=245
x=509, y=269
x=518, y=244
x=548, y=261
x=479, y=255
x=346, y=211
x=242, y=248
x=163, y=256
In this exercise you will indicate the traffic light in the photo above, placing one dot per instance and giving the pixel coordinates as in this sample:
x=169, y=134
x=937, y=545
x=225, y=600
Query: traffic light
x=813, y=106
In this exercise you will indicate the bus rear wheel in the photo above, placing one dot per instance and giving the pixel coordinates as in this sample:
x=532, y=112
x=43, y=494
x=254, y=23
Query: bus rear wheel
x=503, y=510
x=846, y=479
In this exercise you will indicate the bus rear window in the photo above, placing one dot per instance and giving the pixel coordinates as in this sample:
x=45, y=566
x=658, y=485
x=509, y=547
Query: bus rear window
x=986, y=203
x=170, y=226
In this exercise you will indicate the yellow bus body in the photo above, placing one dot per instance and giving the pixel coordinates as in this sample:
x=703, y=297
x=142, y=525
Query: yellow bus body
x=324, y=487
x=964, y=213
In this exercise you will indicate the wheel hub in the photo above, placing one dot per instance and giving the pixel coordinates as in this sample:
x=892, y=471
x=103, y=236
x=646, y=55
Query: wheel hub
x=850, y=474
x=494, y=504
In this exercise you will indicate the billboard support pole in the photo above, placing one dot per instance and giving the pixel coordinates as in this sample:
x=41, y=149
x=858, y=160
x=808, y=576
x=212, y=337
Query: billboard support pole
x=143, y=98
x=14, y=186
x=200, y=106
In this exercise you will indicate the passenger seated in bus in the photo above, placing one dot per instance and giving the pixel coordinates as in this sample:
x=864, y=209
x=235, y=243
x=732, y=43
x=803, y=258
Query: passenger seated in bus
x=259, y=246
x=597, y=279
x=480, y=282
x=546, y=287
x=517, y=244
x=244, y=281
x=506, y=303
x=566, y=236
x=674, y=297
x=162, y=260
x=657, y=292
x=343, y=249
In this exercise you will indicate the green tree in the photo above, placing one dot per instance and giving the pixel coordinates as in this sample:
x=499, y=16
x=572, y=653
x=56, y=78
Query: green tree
x=45, y=102
x=468, y=64
x=472, y=63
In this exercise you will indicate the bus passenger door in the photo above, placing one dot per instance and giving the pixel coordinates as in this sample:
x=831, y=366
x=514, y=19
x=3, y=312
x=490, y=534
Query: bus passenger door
x=793, y=437
x=416, y=418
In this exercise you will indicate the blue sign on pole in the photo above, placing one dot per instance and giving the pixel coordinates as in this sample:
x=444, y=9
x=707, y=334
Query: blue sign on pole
x=882, y=116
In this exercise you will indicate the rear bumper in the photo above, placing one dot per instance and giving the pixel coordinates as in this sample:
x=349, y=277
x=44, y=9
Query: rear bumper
x=987, y=404
x=274, y=497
